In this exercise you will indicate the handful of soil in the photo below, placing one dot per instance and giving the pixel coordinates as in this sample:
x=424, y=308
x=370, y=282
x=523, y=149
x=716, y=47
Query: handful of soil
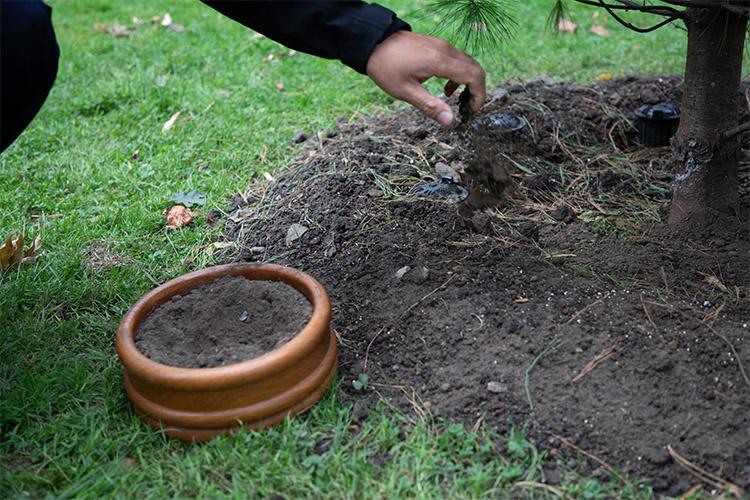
x=230, y=320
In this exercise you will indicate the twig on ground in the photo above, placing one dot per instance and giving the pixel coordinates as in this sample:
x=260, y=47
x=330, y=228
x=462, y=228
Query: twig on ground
x=595, y=361
x=554, y=344
x=367, y=352
x=664, y=279
x=586, y=308
x=704, y=475
x=648, y=314
x=567, y=442
x=426, y=296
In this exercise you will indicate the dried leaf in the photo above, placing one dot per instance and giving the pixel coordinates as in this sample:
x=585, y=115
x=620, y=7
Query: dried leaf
x=170, y=123
x=120, y=30
x=280, y=86
x=178, y=216
x=599, y=30
x=520, y=300
x=714, y=281
x=176, y=27
x=12, y=254
x=604, y=76
x=268, y=177
x=6, y=252
x=566, y=26
x=100, y=27
x=191, y=199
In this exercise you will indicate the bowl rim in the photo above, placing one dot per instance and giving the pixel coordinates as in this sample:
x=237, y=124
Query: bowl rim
x=140, y=366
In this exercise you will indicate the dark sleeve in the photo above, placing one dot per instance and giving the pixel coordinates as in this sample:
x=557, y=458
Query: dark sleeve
x=347, y=31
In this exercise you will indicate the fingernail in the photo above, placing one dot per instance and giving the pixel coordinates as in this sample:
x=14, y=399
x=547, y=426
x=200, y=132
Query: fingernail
x=445, y=117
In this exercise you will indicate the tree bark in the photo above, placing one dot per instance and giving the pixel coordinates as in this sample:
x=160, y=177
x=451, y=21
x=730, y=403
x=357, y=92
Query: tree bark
x=706, y=178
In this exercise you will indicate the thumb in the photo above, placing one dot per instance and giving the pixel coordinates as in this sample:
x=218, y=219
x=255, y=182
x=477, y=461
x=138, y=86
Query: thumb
x=429, y=105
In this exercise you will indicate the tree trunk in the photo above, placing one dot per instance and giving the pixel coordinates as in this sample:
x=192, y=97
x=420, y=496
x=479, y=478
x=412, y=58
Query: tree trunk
x=706, y=179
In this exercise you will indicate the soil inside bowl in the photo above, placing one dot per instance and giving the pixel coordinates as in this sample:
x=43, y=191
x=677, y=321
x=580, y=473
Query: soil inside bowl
x=224, y=322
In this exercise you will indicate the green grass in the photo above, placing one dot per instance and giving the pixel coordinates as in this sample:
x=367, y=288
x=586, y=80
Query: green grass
x=66, y=426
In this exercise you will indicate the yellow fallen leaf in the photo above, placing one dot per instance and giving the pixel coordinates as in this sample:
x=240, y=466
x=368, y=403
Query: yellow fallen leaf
x=604, y=76
x=178, y=216
x=170, y=123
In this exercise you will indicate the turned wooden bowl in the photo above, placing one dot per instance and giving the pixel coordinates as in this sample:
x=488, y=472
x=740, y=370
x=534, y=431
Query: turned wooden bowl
x=196, y=404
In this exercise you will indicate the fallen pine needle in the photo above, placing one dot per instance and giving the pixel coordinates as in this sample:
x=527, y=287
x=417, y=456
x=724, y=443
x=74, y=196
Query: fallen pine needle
x=704, y=475
x=541, y=486
x=426, y=296
x=589, y=306
x=593, y=457
x=595, y=361
x=554, y=344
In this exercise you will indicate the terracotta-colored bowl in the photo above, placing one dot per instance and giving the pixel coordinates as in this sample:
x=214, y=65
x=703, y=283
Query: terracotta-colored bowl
x=200, y=403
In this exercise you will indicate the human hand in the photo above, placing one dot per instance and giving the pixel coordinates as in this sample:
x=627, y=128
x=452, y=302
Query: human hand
x=403, y=61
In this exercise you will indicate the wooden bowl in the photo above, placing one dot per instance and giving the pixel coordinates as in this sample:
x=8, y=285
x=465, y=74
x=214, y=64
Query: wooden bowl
x=200, y=403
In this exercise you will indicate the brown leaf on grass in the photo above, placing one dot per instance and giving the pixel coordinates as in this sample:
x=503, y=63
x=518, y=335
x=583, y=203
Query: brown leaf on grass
x=599, y=30
x=120, y=30
x=178, y=216
x=280, y=86
x=566, y=26
x=170, y=123
x=12, y=254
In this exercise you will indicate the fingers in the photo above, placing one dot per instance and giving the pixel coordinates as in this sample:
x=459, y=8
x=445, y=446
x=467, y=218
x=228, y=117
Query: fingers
x=428, y=104
x=462, y=69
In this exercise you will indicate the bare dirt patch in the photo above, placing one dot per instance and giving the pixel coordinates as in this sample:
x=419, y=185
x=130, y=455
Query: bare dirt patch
x=569, y=307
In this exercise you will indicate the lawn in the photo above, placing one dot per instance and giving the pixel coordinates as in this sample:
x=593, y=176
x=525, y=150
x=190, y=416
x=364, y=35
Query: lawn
x=94, y=172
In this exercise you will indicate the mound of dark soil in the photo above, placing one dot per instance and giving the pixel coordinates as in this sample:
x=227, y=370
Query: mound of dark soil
x=571, y=308
x=224, y=322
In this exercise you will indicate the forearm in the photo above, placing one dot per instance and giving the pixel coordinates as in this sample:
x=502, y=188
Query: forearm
x=344, y=30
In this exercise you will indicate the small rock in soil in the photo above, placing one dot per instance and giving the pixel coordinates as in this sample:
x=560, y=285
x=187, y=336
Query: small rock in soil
x=480, y=223
x=256, y=250
x=294, y=233
x=420, y=274
x=401, y=272
x=445, y=170
x=445, y=387
x=563, y=213
x=528, y=230
x=374, y=193
x=497, y=387
x=244, y=316
x=660, y=457
x=330, y=251
x=299, y=137
x=360, y=412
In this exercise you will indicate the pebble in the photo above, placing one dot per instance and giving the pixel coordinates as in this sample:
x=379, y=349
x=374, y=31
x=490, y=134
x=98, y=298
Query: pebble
x=295, y=232
x=401, y=272
x=445, y=170
x=257, y=250
x=374, y=193
x=497, y=387
x=299, y=137
x=445, y=387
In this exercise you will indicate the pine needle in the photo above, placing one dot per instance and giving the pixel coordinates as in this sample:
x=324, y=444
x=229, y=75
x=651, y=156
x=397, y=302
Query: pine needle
x=474, y=26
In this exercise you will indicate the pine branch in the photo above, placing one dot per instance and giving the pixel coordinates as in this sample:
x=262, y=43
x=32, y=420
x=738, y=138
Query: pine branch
x=475, y=26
